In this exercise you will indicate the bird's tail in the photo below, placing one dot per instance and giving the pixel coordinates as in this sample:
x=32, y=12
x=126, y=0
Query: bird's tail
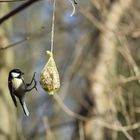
x=23, y=104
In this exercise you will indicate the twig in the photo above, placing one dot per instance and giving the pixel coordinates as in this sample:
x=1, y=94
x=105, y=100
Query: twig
x=12, y=0
x=27, y=38
x=17, y=10
x=67, y=110
x=92, y=19
x=137, y=109
x=13, y=44
x=126, y=133
x=121, y=128
x=81, y=131
x=128, y=56
x=113, y=127
x=125, y=80
x=49, y=134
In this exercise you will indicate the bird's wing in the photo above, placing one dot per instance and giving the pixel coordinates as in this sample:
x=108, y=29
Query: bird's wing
x=12, y=93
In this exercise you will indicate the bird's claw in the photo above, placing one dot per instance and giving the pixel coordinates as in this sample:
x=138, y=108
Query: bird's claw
x=35, y=85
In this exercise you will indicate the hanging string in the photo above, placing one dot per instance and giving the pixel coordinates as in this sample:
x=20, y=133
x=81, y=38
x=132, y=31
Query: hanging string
x=52, y=32
x=49, y=77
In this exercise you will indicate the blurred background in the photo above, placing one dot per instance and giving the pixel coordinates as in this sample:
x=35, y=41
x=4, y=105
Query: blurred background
x=97, y=53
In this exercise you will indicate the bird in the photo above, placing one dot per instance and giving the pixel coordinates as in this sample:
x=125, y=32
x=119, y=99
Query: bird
x=18, y=88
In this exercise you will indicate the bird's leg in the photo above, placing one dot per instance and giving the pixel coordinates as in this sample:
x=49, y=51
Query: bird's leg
x=33, y=79
x=29, y=89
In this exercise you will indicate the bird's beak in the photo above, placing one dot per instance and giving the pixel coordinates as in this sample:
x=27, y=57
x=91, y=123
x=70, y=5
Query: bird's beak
x=22, y=73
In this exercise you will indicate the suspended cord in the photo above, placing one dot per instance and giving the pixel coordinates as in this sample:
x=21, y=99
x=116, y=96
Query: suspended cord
x=53, y=21
x=52, y=32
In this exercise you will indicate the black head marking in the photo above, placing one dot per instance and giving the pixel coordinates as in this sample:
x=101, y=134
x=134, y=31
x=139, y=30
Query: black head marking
x=15, y=73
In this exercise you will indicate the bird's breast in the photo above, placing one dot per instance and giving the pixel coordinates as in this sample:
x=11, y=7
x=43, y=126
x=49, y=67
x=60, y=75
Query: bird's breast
x=17, y=83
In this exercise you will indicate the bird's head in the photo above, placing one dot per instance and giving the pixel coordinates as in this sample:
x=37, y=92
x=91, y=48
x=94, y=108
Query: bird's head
x=16, y=73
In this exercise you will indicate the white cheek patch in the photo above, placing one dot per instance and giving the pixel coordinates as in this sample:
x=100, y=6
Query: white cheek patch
x=15, y=74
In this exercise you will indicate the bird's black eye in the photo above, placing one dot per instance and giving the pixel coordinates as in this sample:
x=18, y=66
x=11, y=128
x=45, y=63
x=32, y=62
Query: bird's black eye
x=22, y=73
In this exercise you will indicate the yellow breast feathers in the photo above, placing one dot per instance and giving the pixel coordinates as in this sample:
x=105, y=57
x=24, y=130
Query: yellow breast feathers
x=17, y=83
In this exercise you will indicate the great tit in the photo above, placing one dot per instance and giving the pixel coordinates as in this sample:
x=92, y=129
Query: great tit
x=18, y=87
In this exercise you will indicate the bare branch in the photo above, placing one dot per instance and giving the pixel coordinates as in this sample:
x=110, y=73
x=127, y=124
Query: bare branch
x=81, y=131
x=67, y=110
x=27, y=38
x=17, y=10
x=12, y=0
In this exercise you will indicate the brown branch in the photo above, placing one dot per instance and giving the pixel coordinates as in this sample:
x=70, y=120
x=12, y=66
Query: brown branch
x=49, y=132
x=121, y=128
x=113, y=127
x=126, y=53
x=124, y=80
x=14, y=44
x=81, y=131
x=67, y=110
x=17, y=10
x=12, y=0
